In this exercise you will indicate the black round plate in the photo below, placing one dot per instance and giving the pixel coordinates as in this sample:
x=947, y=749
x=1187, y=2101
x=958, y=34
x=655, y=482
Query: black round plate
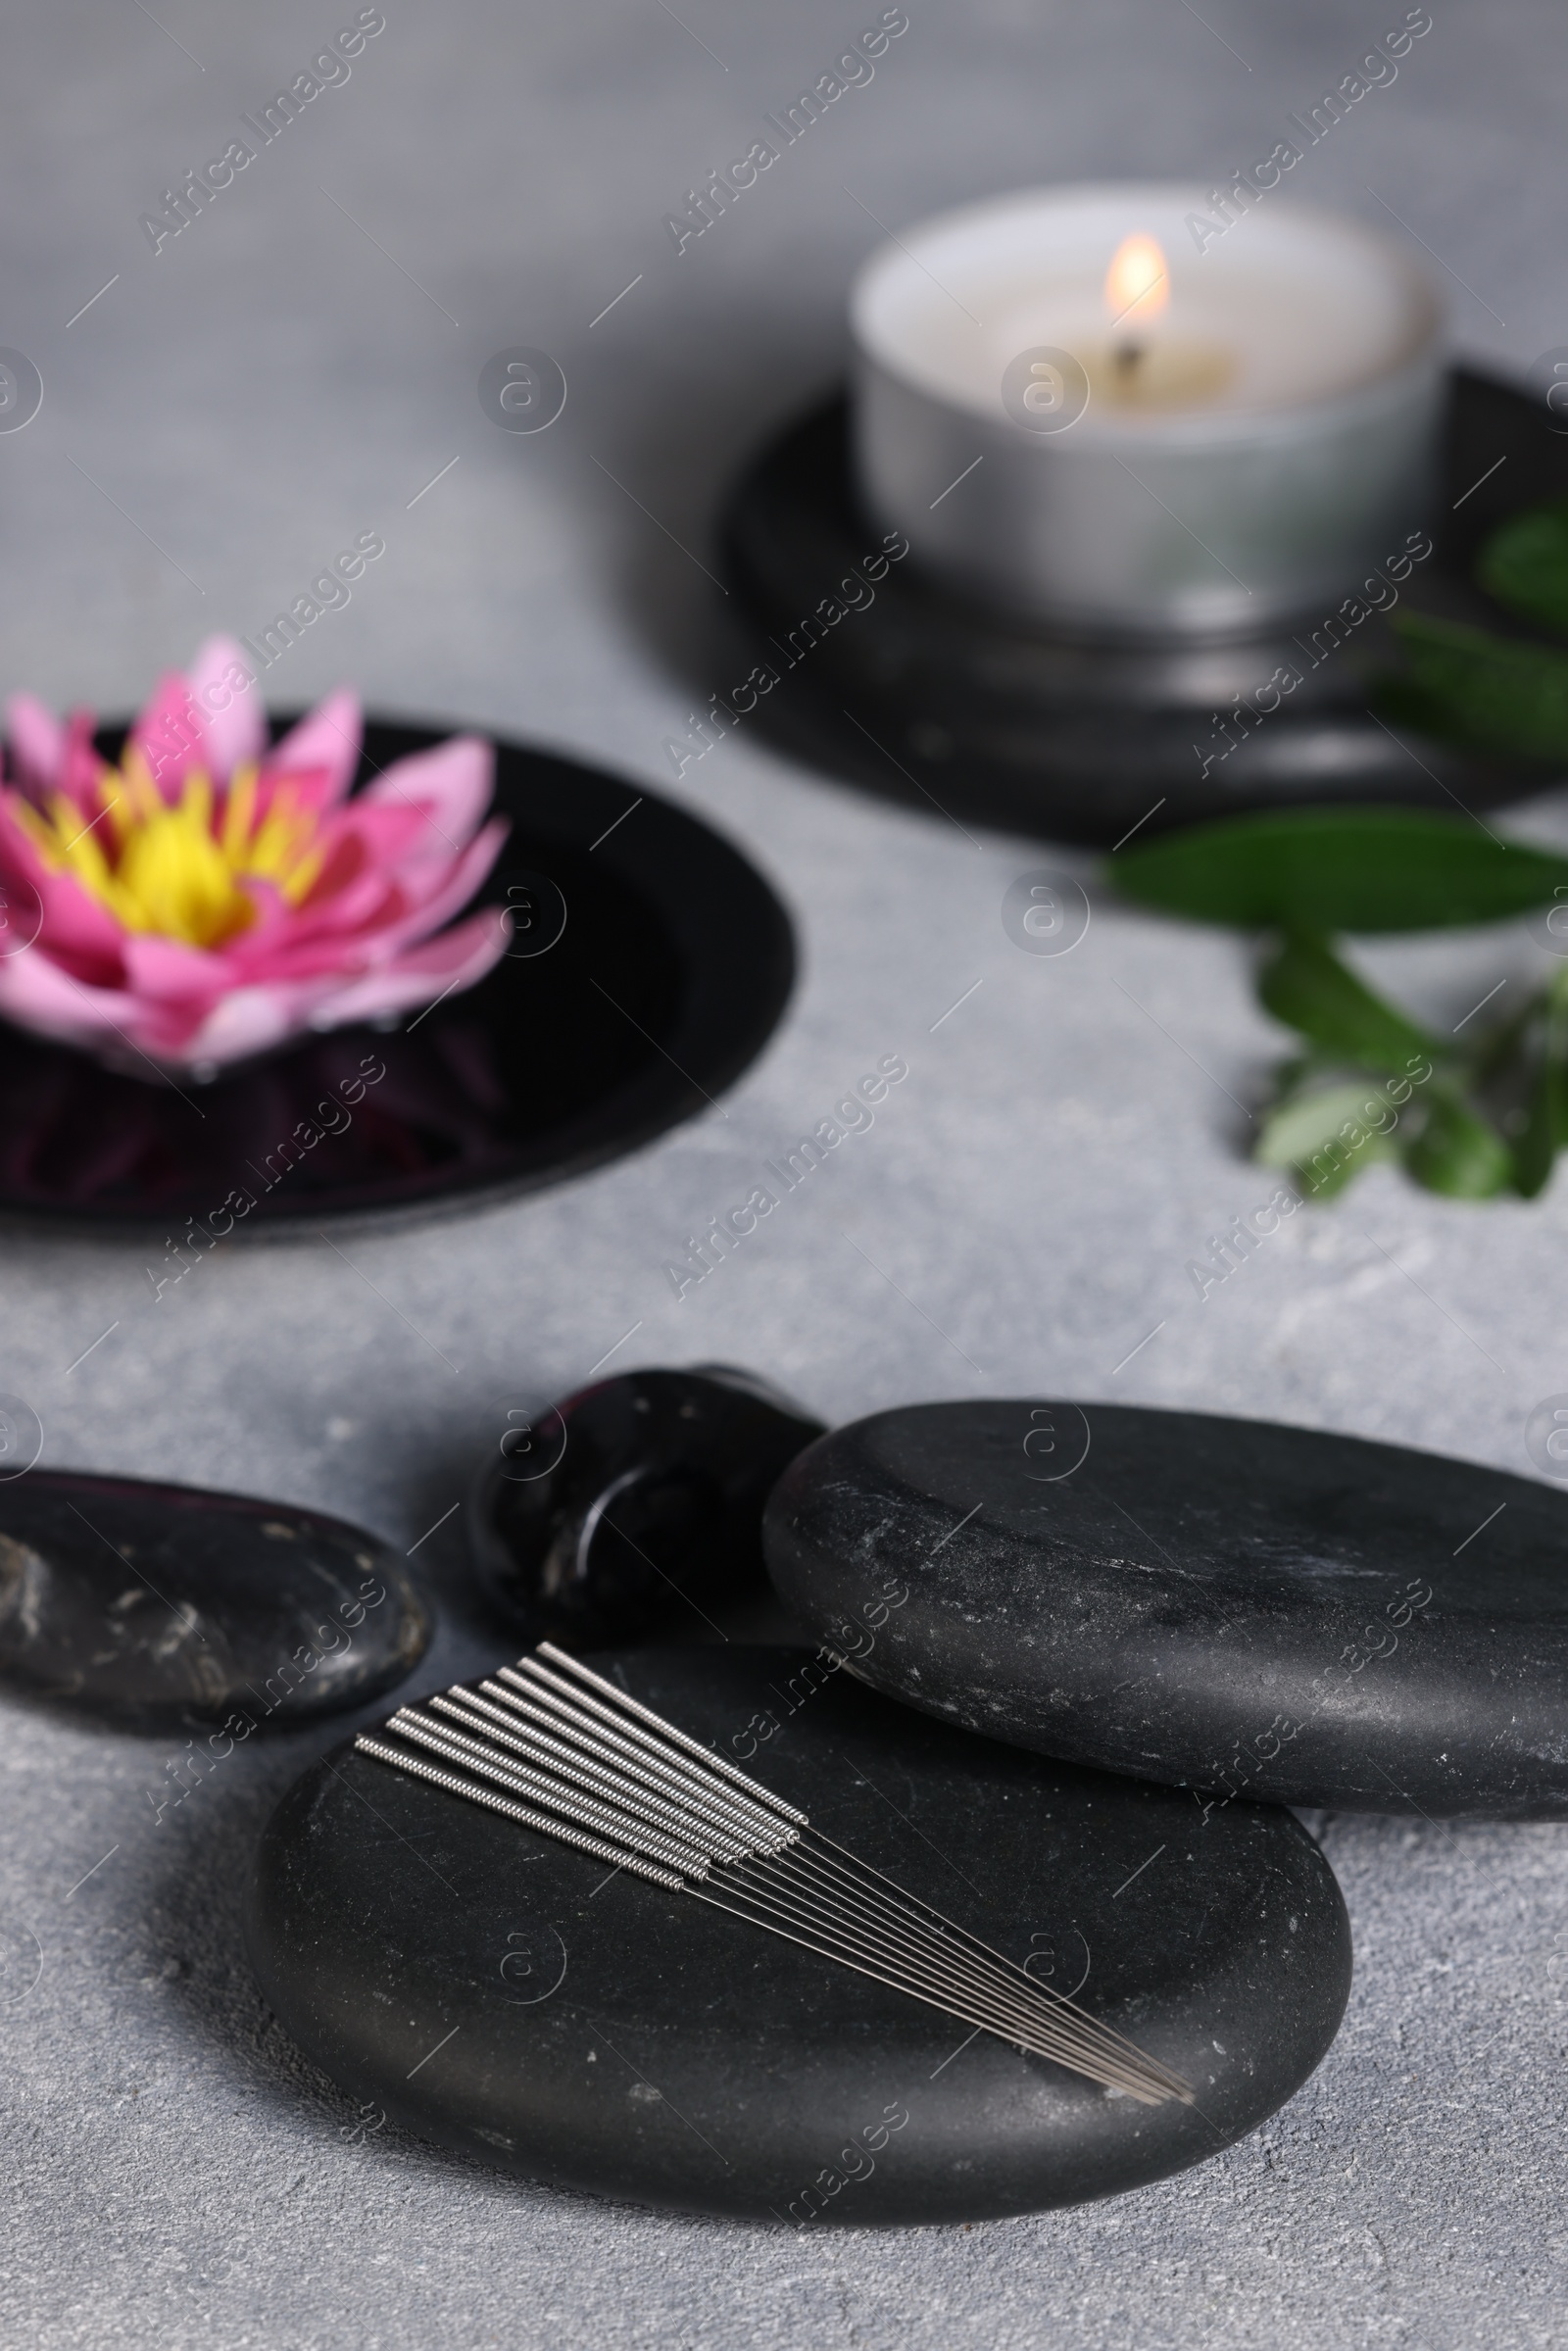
x=937, y=701
x=1222, y=1604
x=497, y=1991
x=674, y=966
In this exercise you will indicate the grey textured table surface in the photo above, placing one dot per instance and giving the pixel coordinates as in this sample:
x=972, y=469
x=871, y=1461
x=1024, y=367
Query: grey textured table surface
x=296, y=365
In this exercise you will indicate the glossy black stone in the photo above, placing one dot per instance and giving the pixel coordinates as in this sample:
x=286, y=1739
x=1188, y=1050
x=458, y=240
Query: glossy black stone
x=587, y=1039
x=1223, y=1605
x=155, y=1603
x=923, y=696
x=498, y=1992
x=634, y=1503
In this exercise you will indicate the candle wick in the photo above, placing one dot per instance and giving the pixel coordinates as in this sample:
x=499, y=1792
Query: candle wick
x=1128, y=357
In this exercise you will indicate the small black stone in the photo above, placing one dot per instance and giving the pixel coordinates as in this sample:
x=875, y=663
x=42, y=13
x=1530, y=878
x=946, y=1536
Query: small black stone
x=1221, y=1605
x=633, y=1503
x=157, y=1603
x=505, y=1995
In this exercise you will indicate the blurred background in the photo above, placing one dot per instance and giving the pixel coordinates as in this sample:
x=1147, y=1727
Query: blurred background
x=303, y=357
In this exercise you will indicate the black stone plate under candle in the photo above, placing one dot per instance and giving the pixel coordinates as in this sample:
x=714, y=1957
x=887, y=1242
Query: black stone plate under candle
x=673, y=964
x=1226, y=1606
x=499, y=1992
x=157, y=1604
x=943, y=703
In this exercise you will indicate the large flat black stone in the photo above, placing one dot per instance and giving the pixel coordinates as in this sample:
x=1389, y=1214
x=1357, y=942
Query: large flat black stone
x=496, y=1991
x=153, y=1603
x=1222, y=1604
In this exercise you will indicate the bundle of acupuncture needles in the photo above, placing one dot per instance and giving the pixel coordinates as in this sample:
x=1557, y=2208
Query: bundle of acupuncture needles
x=554, y=1745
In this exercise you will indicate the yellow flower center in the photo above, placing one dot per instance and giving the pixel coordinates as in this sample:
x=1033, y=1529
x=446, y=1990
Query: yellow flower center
x=177, y=870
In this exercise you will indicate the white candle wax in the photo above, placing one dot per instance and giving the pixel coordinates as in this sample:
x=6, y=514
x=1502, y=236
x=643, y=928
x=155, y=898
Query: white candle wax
x=1228, y=450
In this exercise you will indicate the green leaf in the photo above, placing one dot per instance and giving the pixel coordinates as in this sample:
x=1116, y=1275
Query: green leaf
x=1494, y=1052
x=1535, y=1150
x=1340, y=869
x=1309, y=989
x=1323, y=1137
x=1458, y=1152
x=1545, y=1127
x=1525, y=565
x=1498, y=693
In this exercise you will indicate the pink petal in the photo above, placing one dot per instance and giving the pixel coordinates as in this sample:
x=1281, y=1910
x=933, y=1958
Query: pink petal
x=350, y=877
x=395, y=833
x=170, y=734
x=229, y=708
x=440, y=966
x=352, y=898
x=453, y=889
x=167, y=971
x=82, y=769
x=16, y=849
x=309, y=791
x=39, y=995
x=359, y=912
x=273, y=928
x=247, y=1021
x=365, y=923
x=360, y=883
x=77, y=768
x=75, y=927
x=451, y=785
x=37, y=742
x=79, y=932
x=328, y=738
x=293, y=962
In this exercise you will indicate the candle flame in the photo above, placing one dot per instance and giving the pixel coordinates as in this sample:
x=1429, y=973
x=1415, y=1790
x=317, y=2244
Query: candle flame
x=1138, y=282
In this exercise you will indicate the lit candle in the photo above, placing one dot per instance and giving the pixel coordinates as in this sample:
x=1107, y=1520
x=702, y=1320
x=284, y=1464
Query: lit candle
x=1137, y=366
x=1073, y=410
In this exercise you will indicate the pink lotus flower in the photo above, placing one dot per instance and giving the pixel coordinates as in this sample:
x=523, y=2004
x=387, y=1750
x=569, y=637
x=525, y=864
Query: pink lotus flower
x=210, y=898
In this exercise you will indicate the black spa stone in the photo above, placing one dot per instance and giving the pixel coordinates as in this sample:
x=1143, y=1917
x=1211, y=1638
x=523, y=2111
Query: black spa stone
x=495, y=1991
x=1226, y=1606
x=158, y=1603
x=634, y=1503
